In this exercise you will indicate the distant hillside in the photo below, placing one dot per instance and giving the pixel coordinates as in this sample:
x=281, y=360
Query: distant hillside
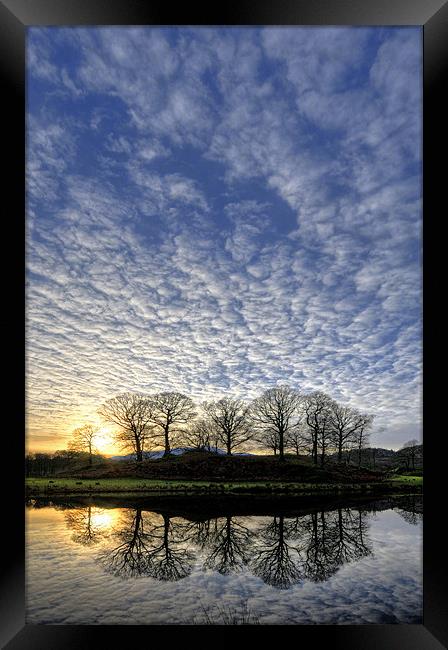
x=375, y=458
x=177, y=451
x=380, y=459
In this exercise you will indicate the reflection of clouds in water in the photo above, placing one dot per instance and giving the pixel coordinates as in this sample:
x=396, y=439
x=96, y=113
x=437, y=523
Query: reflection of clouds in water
x=70, y=586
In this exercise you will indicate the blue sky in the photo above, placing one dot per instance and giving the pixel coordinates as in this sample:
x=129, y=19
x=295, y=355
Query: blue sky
x=219, y=210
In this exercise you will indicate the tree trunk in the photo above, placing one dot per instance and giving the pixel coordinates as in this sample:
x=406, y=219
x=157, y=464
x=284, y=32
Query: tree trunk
x=229, y=445
x=280, y=446
x=314, y=451
x=167, y=441
x=138, y=450
x=340, y=451
x=322, y=456
x=90, y=455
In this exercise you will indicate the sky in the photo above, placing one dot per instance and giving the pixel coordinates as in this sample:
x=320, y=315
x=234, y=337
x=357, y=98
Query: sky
x=218, y=211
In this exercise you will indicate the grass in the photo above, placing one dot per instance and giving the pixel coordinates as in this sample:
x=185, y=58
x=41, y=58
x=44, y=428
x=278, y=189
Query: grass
x=199, y=467
x=406, y=480
x=75, y=486
x=227, y=615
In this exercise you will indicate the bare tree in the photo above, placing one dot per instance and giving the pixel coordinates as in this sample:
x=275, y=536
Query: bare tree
x=345, y=422
x=268, y=438
x=408, y=451
x=200, y=434
x=231, y=421
x=84, y=439
x=299, y=441
x=170, y=412
x=361, y=435
x=276, y=411
x=132, y=413
x=318, y=407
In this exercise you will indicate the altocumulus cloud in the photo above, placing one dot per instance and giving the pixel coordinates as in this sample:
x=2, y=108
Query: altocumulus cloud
x=222, y=210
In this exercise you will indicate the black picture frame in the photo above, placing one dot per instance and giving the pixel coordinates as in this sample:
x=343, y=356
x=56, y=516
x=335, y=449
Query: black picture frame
x=15, y=17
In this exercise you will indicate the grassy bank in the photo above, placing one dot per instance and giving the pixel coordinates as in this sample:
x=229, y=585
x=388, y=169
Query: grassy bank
x=75, y=486
x=406, y=479
x=205, y=467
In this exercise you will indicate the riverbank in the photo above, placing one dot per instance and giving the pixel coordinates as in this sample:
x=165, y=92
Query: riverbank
x=76, y=486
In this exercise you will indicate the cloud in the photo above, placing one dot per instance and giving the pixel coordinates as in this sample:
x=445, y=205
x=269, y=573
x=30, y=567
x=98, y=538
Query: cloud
x=221, y=210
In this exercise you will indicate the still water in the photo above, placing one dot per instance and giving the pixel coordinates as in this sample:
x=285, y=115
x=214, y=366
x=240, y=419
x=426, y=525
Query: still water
x=185, y=562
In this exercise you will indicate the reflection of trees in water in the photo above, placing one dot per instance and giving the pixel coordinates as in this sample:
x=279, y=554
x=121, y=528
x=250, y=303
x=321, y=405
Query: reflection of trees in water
x=318, y=547
x=313, y=546
x=228, y=546
x=351, y=536
x=411, y=517
x=128, y=557
x=149, y=545
x=282, y=552
x=169, y=558
x=198, y=533
x=274, y=560
x=334, y=538
x=82, y=522
x=411, y=508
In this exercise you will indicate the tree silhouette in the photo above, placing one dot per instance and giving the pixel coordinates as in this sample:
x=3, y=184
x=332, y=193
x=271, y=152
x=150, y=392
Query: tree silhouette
x=200, y=435
x=361, y=436
x=84, y=440
x=348, y=426
x=131, y=412
x=231, y=424
x=275, y=413
x=170, y=412
x=408, y=453
x=318, y=407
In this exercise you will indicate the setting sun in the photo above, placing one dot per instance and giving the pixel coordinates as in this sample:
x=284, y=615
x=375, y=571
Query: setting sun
x=104, y=441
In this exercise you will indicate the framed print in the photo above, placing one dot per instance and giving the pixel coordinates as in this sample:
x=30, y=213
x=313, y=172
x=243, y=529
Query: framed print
x=223, y=391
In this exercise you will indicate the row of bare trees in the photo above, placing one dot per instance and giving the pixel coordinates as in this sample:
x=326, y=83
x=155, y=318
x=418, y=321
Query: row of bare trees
x=148, y=420
x=50, y=464
x=281, y=419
